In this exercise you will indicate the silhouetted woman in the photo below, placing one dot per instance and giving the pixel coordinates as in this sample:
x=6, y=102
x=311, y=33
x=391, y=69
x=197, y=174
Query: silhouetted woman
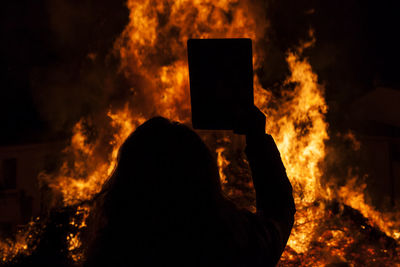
x=163, y=205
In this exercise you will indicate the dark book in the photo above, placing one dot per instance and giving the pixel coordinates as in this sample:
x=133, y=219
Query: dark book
x=221, y=83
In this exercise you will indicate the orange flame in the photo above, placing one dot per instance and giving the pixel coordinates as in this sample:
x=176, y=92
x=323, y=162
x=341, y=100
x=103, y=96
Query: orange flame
x=388, y=222
x=299, y=129
x=74, y=182
x=222, y=164
x=9, y=249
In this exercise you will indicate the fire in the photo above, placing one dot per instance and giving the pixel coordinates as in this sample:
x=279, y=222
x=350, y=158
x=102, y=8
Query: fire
x=152, y=50
x=299, y=129
x=222, y=164
x=10, y=248
x=76, y=183
x=353, y=195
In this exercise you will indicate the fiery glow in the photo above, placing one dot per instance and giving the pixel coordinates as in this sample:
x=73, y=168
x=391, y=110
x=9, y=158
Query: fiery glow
x=222, y=164
x=9, y=248
x=353, y=195
x=356, y=145
x=299, y=130
x=152, y=49
x=73, y=241
x=83, y=173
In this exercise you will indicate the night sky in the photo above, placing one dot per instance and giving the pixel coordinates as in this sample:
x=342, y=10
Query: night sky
x=45, y=47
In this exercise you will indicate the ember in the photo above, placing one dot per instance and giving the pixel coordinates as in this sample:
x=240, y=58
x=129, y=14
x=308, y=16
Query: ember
x=334, y=223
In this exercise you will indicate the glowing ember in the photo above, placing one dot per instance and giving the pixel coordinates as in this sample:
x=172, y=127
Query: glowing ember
x=22, y=243
x=222, y=164
x=10, y=248
x=353, y=195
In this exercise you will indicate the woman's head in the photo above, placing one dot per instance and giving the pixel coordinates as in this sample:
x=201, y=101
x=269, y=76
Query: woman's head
x=165, y=165
x=163, y=199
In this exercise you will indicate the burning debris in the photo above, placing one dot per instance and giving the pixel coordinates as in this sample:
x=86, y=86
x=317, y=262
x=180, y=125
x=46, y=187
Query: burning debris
x=334, y=225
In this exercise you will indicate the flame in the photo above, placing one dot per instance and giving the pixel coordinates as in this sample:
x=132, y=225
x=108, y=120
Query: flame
x=299, y=129
x=352, y=194
x=222, y=164
x=152, y=50
x=74, y=182
x=10, y=248
x=21, y=244
x=73, y=242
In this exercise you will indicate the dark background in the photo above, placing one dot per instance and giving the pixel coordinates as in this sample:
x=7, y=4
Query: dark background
x=46, y=63
x=53, y=64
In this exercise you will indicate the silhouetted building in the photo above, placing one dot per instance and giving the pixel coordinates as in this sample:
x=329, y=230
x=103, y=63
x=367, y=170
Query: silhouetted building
x=20, y=165
x=376, y=118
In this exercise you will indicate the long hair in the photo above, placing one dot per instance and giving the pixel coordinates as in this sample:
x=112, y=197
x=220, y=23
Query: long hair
x=163, y=202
